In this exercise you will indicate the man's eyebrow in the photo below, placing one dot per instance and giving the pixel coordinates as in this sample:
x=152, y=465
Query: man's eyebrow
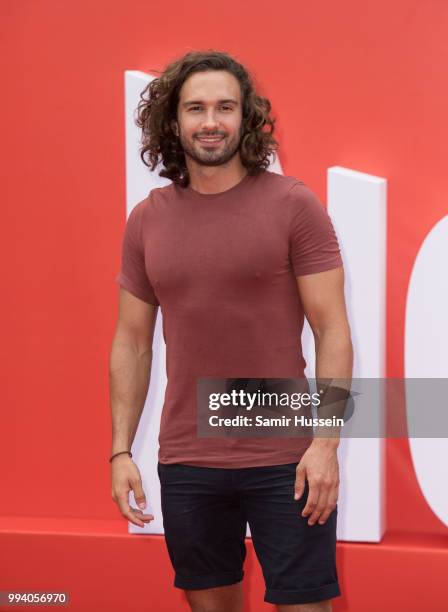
x=226, y=101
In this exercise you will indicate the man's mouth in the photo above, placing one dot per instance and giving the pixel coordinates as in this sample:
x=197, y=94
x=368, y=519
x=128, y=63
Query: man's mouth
x=210, y=139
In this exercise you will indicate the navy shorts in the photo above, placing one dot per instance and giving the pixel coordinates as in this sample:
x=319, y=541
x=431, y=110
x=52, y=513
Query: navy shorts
x=205, y=511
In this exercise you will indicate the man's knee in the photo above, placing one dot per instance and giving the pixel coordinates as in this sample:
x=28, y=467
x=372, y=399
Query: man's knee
x=319, y=606
x=219, y=599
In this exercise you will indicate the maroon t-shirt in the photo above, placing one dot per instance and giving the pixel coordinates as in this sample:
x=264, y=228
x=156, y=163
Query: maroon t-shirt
x=223, y=269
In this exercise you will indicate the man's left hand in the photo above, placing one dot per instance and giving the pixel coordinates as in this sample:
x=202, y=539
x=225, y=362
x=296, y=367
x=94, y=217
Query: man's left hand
x=319, y=466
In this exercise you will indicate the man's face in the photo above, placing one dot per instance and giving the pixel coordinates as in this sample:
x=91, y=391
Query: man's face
x=209, y=117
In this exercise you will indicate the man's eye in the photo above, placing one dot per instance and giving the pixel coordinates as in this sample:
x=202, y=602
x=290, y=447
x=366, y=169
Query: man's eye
x=225, y=107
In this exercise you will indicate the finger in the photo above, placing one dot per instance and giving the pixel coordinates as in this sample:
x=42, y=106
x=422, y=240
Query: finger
x=126, y=509
x=139, y=494
x=320, y=506
x=133, y=519
x=299, y=484
x=130, y=516
x=331, y=505
x=313, y=496
x=144, y=517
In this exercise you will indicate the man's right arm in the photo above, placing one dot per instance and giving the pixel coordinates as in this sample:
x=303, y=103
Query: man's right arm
x=129, y=376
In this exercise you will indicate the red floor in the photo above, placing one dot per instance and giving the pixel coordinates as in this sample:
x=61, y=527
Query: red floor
x=105, y=569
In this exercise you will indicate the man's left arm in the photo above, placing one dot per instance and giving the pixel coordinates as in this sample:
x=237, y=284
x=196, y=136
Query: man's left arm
x=322, y=296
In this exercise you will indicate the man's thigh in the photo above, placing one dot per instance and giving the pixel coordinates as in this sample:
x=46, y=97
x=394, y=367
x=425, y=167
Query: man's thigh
x=298, y=560
x=204, y=526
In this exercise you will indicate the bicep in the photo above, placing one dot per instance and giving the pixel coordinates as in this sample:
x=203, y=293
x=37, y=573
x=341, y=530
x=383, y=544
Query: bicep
x=136, y=320
x=323, y=300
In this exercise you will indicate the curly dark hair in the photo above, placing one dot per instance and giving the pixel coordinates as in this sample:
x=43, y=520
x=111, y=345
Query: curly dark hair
x=158, y=108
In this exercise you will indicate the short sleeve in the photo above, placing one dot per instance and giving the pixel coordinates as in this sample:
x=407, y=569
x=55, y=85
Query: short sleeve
x=133, y=276
x=314, y=245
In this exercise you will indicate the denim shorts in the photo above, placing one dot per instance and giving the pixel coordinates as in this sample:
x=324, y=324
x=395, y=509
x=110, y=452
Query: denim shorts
x=205, y=511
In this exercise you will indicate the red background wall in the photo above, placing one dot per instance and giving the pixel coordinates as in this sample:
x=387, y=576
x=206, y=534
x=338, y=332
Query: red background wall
x=357, y=84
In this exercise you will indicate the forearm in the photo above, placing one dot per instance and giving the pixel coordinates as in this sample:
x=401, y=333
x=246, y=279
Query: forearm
x=334, y=362
x=129, y=376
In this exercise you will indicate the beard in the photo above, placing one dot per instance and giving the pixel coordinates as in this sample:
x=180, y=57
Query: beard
x=213, y=156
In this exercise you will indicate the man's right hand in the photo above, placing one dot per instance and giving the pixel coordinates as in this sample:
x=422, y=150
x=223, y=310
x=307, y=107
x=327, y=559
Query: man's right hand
x=126, y=477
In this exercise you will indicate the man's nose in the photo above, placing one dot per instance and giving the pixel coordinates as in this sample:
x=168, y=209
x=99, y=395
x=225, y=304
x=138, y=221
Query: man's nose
x=210, y=121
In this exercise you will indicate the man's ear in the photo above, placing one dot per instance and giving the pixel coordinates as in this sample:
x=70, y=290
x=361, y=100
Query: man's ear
x=174, y=127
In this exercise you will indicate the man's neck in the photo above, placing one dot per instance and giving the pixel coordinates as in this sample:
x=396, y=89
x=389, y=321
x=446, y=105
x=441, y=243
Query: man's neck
x=208, y=179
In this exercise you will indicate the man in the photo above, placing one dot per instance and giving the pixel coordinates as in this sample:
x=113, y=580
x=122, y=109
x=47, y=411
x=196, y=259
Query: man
x=235, y=256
